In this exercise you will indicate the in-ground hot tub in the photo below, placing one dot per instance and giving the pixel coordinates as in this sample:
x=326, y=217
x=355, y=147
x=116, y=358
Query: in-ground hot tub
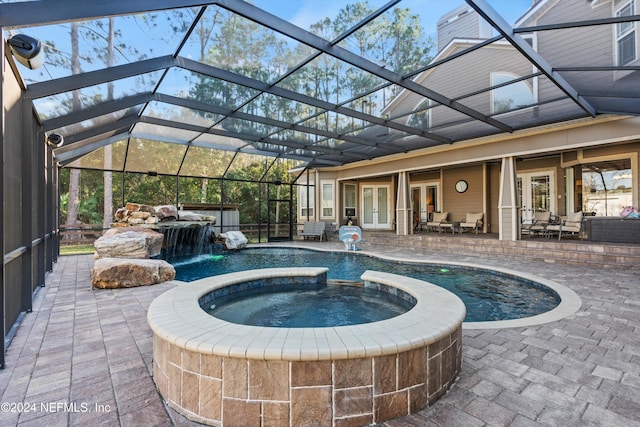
x=221, y=373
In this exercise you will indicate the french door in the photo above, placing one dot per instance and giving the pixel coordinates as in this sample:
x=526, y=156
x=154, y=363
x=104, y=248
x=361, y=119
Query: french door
x=376, y=212
x=424, y=199
x=537, y=193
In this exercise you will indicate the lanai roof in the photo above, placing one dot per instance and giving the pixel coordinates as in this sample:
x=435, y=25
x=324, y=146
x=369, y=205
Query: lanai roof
x=186, y=77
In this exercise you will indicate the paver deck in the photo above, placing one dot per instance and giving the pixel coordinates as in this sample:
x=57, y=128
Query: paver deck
x=84, y=356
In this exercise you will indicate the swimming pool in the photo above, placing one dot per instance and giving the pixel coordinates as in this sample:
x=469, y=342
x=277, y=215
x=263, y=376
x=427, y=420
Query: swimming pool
x=488, y=295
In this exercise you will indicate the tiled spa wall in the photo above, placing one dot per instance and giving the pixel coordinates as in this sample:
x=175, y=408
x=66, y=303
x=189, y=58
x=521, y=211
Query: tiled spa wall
x=227, y=391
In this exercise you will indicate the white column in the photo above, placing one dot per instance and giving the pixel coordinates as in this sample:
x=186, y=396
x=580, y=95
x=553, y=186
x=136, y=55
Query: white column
x=509, y=219
x=404, y=216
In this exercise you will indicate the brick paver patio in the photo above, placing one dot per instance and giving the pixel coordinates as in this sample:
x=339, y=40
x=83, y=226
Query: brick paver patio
x=84, y=356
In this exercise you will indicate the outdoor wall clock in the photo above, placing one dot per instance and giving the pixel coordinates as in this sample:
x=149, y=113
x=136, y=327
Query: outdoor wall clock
x=461, y=186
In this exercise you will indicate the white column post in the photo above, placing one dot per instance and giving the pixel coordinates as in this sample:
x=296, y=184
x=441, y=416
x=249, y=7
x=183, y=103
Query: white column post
x=404, y=216
x=509, y=218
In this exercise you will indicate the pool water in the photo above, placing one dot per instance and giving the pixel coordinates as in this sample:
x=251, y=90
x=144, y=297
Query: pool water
x=308, y=306
x=488, y=295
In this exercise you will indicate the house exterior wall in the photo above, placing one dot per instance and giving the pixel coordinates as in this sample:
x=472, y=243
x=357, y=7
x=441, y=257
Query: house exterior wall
x=461, y=22
x=570, y=136
x=478, y=162
x=472, y=200
x=427, y=176
x=453, y=80
x=559, y=46
x=553, y=148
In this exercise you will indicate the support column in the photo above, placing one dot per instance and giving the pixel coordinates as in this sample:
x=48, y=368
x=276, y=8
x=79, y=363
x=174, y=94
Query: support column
x=404, y=216
x=2, y=290
x=26, y=210
x=509, y=218
x=49, y=211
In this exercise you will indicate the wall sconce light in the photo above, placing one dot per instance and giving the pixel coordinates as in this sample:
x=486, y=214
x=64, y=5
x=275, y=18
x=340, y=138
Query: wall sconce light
x=27, y=50
x=54, y=140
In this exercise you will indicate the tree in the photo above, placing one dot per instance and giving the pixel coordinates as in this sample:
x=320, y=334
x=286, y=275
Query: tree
x=247, y=48
x=204, y=31
x=108, y=178
x=74, y=174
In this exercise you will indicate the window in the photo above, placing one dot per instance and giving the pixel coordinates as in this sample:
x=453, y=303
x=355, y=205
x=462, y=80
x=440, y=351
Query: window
x=626, y=36
x=607, y=187
x=327, y=199
x=349, y=200
x=510, y=96
x=420, y=119
x=306, y=201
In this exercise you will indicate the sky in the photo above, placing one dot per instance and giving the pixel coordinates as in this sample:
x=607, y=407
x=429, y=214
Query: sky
x=303, y=13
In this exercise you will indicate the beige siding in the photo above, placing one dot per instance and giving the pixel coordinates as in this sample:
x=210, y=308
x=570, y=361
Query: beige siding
x=425, y=176
x=453, y=80
x=471, y=201
x=468, y=24
x=576, y=46
x=610, y=150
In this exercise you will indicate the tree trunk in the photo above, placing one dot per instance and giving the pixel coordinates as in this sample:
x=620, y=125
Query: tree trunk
x=74, y=174
x=108, y=178
x=74, y=199
x=203, y=190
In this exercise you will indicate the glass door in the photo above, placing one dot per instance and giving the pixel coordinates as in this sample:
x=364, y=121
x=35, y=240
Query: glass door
x=424, y=199
x=376, y=207
x=536, y=191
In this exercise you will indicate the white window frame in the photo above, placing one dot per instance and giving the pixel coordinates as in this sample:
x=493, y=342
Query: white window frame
x=302, y=201
x=355, y=200
x=426, y=111
x=493, y=91
x=327, y=199
x=625, y=30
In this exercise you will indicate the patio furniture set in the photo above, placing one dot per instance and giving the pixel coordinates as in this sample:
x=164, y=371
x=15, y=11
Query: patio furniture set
x=542, y=224
x=440, y=223
x=547, y=225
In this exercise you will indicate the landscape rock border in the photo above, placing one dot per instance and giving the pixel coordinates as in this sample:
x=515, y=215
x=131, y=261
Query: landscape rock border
x=112, y=273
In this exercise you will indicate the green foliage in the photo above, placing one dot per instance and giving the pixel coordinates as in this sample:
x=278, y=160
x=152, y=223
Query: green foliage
x=87, y=209
x=90, y=198
x=394, y=40
x=150, y=190
x=76, y=249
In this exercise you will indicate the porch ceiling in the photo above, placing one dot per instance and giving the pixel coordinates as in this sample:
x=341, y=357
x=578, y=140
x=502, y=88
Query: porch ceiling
x=259, y=80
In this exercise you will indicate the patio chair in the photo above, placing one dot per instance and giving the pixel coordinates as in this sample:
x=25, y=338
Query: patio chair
x=538, y=224
x=439, y=219
x=472, y=221
x=571, y=224
x=313, y=229
x=330, y=231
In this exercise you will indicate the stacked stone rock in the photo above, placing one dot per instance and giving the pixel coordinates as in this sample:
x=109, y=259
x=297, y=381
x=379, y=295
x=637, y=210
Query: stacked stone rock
x=123, y=259
x=139, y=214
x=124, y=252
x=136, y=214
